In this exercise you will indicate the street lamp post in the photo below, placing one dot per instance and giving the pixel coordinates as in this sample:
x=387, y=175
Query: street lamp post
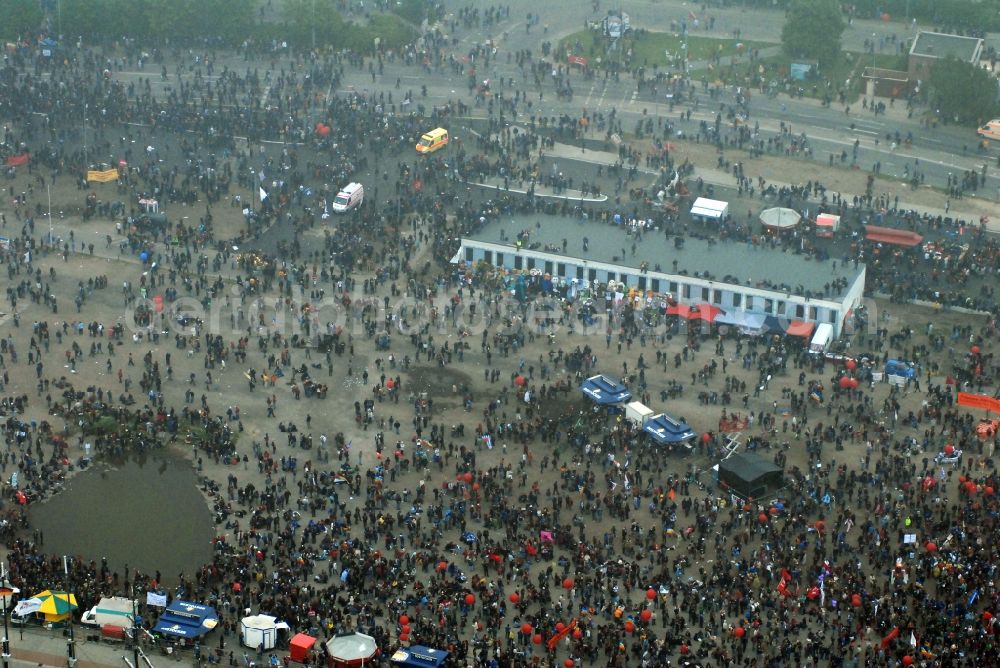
x=85, y=137
x=48, y=191
x=135, y=630
x=71, y=646
x=5, y=594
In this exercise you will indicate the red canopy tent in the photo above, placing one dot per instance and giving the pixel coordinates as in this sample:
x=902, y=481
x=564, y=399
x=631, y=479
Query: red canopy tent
x=705, y=312
x=347, y=650
x=679, y=309
x=800, y=328
x=890, y=235
x=299, y=646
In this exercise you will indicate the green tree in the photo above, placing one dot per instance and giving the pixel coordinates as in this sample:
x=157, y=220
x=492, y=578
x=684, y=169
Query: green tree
x=306, y=20
x=20, y=18
x=962, y=91
x=812, y=30
x=88, y=18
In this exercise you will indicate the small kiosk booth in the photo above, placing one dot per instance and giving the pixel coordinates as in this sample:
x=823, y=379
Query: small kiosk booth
x=827, y=225
x=298, y=648
x=418, y=656
x=261, y=630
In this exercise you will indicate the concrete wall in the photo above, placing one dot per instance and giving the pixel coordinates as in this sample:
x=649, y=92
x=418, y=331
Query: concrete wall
x=684, y=289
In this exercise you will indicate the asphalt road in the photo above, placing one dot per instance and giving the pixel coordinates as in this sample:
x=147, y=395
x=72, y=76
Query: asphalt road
x=830, y=131
x=937, y=153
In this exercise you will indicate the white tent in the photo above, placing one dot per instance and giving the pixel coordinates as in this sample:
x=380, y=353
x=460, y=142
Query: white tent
x=780, y=218
x=709, y=209
x=261, y=629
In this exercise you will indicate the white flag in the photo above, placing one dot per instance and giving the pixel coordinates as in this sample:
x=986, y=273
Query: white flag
x=263, y=195
x=156, y=600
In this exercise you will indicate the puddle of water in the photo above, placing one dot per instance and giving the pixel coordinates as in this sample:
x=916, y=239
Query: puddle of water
x=147, y=513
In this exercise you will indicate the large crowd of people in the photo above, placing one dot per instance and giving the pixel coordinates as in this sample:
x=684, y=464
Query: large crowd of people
x=524, y=527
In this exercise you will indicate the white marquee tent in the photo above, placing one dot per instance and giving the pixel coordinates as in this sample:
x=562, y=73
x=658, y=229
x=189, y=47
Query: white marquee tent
x=709, y=209
x=257, y=629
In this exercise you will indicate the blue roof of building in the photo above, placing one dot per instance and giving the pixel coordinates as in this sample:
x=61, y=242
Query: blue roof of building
x=186, y=620
x=418, y=656
x=664, y=429
x=603, y=391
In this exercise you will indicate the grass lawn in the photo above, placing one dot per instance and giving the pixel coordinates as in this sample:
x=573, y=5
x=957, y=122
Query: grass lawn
x=831, y=80
x=655, y=48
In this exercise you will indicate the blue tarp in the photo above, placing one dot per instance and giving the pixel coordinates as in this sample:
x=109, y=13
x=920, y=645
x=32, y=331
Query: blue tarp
x=186, y=620
x=418, y=656
x=604, y=391
x=664, y=429
x=895, y=367
x=745, y=320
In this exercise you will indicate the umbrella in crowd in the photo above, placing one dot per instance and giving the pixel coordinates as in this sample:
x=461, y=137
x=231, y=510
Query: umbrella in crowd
x=780, y=218
x=56, y=605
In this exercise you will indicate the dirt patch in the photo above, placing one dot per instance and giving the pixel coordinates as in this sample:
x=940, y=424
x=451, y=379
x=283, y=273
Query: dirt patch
x=439, y=382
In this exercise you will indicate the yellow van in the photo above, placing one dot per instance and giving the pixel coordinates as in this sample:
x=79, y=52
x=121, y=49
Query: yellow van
x=991, y=130
x=432, y=141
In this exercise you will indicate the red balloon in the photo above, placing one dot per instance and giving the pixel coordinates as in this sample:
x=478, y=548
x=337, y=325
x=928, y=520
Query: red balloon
x=568, y=663
x=404, y=637
x=970, y=487
x=856, y=600
x=931, y=547
x=404, y=620
x=851, y=365
x=961, y=479
x=577, y=633
x=560, y=627
x=907, y=660
x=537, y=638
x=514, y=598
x=629, y=626
x=568, y=583
x=685, y=649
x=475, y=487
x=762, y=517
x=442, y=565
x=406, y=628
x=526, y=628
x=739, y=631
x=645, y=615
x=467, y=477
x=650, y=593
x=988, y=491
x=470, y=599
x=949, y=449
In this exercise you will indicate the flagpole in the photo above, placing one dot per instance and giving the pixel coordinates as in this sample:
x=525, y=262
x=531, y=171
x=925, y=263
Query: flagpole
x=6, y=634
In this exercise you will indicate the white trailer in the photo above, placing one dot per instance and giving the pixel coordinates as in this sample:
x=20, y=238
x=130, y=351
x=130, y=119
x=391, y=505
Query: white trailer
x=110, y=611
x=638, y=413
x=821, y=339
